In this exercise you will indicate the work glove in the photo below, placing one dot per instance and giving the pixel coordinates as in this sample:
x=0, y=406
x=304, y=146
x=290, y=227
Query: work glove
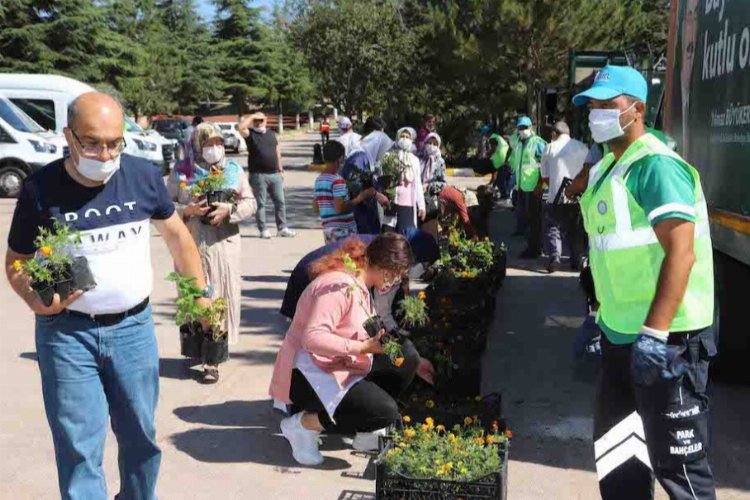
x=652, y=359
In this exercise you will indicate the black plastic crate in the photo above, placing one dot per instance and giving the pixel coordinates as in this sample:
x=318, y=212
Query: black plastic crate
x=394, y=486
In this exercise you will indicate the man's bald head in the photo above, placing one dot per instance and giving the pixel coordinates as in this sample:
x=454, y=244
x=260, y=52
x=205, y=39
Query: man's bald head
x=96, y=106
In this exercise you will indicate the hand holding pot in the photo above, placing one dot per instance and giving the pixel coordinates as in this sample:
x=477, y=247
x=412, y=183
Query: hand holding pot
x=56, y=307
x=383, y=200
x=373, y=345
x=196, y=209
x=221, y=212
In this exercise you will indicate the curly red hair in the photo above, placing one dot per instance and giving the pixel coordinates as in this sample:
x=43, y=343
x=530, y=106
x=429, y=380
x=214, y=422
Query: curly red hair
x=334, y=261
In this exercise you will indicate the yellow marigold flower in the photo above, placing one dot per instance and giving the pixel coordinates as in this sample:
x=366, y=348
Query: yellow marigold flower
x=46, y=251
x=440, y=428
x=448, y=466
x=409, y=432
x=421, y=295
x=479, y=441
x=403, y=445
x=406, y=419
x=452, y=437
x=17, y=265
x=467, y=421
x=183, y=185
x=201, y=183
x=425, y=427
x=490, y=439
x=430, y=403
x=430, y=422
x=398, y=361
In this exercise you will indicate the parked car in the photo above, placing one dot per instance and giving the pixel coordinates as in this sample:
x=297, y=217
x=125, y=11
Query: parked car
x=46, y=98
x=173, y=128
x=22, y=149
x=164, y=148
x=232, y=139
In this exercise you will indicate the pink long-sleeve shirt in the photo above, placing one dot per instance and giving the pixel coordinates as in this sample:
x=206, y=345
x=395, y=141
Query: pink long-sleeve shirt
x=328, y=325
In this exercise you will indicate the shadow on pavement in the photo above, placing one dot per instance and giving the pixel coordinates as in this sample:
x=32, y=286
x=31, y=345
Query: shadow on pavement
x=266, y=279
x=356, y=495
x=549, y=394
x=31, y=356
x=264, y=293
x=251, y=434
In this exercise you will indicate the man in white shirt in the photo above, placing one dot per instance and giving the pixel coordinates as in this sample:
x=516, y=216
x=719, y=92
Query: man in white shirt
x=563, y=158
x=350, y=139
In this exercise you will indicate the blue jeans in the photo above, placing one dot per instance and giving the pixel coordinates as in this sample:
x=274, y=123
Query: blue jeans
x=273, y=184
x=91, y=372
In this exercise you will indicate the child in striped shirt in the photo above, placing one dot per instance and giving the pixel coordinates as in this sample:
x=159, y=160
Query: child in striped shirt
x=331, y=199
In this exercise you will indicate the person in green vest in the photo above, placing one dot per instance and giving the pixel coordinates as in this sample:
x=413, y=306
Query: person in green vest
x=524, y=161
x=500, y=177
x=651, y=260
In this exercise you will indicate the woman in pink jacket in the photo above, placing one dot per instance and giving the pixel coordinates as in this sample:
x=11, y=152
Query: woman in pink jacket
x=329, y=369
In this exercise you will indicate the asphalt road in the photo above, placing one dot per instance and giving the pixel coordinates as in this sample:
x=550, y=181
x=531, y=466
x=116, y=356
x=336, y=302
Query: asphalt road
x=222, y=442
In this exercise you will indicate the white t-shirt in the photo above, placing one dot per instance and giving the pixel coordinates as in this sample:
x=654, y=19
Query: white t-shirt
x=351, y=142
x=562, y=158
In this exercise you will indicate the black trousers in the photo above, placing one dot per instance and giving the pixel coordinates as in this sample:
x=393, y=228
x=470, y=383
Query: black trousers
x=531, y=211
x=659, y=430
x=370, y=404
x=324, y=137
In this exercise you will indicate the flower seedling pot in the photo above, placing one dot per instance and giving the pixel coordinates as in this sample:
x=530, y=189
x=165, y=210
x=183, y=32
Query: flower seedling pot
x=211, y=198
x=215, y=351
x=45, y=291
x=191, y=341
x=373, y=325
x=64, y=288
x=83, y=279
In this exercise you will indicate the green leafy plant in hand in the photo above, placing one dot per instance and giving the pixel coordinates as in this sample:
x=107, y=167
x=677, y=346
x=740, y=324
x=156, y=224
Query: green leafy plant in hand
x=189, y=311
x=215, y=181
x=413, y=310
x=53, y=256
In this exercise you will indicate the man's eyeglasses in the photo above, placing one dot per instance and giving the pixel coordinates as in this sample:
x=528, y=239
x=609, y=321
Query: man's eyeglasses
x=95, y=149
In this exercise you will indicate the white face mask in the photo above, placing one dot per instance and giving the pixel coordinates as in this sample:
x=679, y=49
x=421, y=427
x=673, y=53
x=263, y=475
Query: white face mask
x=260, y=130
x=605, y=124
x=97, y=170
x=213, y=154
x=524, y=134
x=405, y=144
x=432, y=150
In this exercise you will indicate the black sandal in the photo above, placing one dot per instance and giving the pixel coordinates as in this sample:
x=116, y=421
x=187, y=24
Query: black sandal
x=210, y=375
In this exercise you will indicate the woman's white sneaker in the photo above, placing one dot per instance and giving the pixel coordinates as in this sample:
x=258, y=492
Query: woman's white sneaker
x=304, y=442
x=367, y=441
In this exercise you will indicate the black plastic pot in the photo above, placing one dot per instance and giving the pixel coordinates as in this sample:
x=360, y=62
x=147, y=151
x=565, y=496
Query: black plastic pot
x=213, y=351
x=211, y=198
x=64, y=288
x=373, y=325
x=80, y=271
x=386, y=182
x=45, y=291
x=191, y=340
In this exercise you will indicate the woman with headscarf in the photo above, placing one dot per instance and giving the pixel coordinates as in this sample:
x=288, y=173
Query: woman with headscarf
x=433, y=164
x=219, y=240
x=409, y=199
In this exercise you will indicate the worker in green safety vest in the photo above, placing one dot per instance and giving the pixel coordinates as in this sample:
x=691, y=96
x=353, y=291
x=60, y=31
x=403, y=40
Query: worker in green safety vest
x=524, y=161
x=651, y=260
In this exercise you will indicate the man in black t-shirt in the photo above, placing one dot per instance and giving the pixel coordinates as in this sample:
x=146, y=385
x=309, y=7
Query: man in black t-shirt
x=97, y=349
x=266, y=172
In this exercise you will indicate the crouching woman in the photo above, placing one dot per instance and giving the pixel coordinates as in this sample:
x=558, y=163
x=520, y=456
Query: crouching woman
x=334, y=375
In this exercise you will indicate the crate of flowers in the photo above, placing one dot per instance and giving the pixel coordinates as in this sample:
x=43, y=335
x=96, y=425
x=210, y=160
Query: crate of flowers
x=429, y=461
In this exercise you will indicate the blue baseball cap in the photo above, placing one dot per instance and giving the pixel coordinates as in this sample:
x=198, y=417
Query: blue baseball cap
x=523, y=121
x=613, y=81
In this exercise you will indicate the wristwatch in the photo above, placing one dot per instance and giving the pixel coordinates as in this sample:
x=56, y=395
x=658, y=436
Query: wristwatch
x=208, y=292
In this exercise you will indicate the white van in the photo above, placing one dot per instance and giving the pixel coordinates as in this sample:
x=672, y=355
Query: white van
x=46, y=98
x=23, y=149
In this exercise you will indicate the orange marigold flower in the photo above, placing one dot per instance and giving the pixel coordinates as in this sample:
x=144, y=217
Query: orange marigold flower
x=495, y=425
x=508, y=434
x=201, y=183
x=46, y=251
x=430, y=422
x=398, y=361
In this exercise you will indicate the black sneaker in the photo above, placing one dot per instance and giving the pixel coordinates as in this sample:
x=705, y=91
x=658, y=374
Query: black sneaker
x=553, y=266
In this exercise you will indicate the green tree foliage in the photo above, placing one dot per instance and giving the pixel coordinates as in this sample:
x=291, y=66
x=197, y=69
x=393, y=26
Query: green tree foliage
x=245, y=46
x=361, y=50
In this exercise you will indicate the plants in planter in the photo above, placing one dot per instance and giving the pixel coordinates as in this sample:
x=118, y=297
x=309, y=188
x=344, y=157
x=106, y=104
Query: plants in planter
x=392, y=168
x=53, y=269
x=430, y=461
x=213, y=189
x=211, y=345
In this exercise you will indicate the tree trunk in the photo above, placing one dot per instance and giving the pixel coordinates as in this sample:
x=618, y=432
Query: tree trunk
x=281, y=119
x=298, y=124
x=310, y=119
